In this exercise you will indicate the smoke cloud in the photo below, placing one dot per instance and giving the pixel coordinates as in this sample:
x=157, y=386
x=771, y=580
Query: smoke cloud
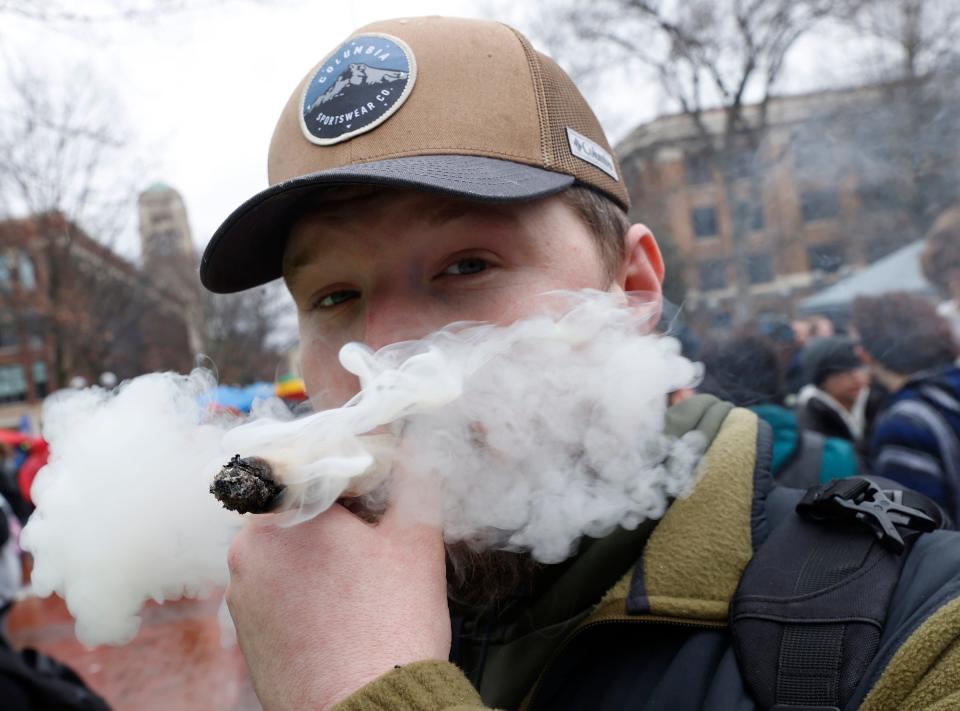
x=533, y=434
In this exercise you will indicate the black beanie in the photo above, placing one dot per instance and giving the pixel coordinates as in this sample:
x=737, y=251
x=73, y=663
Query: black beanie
x=824, y=357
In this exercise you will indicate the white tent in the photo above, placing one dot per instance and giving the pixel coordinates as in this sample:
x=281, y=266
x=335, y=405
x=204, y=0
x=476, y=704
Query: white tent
x=899, y=271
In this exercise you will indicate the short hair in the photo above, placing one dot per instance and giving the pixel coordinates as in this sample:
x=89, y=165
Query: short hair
x=744, y=370
x=941, y=256
x=608, y=224
x=903, y=332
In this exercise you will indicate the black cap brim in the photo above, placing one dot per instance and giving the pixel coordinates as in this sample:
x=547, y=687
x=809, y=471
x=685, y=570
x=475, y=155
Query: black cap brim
x=247, y=249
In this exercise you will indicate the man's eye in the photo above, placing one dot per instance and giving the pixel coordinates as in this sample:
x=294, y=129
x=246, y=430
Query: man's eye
x=335, y=298
x=469, y=265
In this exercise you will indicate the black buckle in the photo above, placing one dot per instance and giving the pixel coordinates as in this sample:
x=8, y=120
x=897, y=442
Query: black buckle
x=859, y=499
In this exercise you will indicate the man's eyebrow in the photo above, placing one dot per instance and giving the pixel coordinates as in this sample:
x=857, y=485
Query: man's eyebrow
x=294, y=263
x=295, y=260
x=447, y=210
x=452, y=210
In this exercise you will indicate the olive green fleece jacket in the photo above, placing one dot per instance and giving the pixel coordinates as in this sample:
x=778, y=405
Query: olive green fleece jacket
x=689, y=567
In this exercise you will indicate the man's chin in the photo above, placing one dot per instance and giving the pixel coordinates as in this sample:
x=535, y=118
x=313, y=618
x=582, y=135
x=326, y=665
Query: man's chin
x=482, y=579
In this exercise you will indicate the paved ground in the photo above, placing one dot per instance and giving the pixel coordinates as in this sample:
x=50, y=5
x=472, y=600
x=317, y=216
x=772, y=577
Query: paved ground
x=176, y=663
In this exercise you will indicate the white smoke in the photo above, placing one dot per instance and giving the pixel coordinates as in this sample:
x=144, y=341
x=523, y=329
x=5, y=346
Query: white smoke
x=122, y=516
x=535, y=434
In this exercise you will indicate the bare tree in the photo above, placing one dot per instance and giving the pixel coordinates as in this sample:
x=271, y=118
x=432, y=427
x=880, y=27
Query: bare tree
x=65, y=161
x=64, y=148
x=717, y=61
x=69, y=12
x=240, y=331
x=920, y=36
x=917, y=58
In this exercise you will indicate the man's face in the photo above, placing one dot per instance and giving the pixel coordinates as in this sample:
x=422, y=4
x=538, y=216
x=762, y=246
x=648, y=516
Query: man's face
x=394, y=266
x=845, y=387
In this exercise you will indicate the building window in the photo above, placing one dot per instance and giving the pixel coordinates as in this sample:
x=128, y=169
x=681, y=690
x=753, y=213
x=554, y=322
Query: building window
x=26, y=274
x=740, y=164
x=6, y=273
x=9, y=335
x=879, y=197
x=881, y=243
x=696, y=168
x=819, y=205
x=13, y=386
x=760, y=268
x=35, y=327
x=704, y=222
x=750, y=215
x=40, y=379
x=713, y=274
x=826, y=257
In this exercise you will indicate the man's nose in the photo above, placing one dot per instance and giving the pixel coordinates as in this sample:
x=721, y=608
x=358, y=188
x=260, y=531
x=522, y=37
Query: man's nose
x=393, y=317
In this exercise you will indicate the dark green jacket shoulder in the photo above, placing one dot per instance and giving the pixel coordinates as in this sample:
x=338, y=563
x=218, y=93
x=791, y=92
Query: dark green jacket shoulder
x=639, y=619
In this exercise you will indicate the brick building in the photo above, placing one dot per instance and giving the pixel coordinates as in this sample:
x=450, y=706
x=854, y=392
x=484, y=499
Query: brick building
x=838, y=180
x=69, y=308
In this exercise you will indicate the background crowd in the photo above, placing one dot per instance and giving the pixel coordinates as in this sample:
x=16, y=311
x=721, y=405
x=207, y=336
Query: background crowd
x=879, y=395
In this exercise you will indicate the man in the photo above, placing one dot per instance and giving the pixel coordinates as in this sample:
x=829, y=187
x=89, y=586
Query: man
x=464, y=181
x=916, y=436
x=832, y=401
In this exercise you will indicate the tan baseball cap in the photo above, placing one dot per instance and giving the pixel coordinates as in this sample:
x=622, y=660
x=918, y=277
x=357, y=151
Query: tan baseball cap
x=449, y=105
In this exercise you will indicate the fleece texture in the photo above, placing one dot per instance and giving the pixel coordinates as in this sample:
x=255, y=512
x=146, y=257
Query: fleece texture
x=423, y=686
x=691, y=569
x=924, y=675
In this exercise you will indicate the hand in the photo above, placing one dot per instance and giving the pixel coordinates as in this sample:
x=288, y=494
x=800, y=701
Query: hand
x=328, y=605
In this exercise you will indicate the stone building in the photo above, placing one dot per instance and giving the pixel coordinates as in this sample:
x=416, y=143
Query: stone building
x=169, y=254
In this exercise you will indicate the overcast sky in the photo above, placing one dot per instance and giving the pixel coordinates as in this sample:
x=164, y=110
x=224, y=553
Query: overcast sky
x=202, y=90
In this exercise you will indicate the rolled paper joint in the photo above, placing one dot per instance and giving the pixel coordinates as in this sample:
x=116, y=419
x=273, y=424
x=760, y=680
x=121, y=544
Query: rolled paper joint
x=253, y=485
x=247, y=485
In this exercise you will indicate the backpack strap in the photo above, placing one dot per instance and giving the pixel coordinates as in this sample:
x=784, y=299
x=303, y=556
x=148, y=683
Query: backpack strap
x=807, y=617
x=802, y=469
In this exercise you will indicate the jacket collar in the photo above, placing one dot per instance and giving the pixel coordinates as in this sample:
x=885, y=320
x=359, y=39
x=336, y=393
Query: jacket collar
x=693, y=561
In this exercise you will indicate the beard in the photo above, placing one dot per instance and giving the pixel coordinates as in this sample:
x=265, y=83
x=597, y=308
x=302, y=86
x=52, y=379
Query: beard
x=479, y=579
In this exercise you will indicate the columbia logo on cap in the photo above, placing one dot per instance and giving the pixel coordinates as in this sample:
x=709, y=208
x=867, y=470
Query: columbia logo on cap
x=359, y=87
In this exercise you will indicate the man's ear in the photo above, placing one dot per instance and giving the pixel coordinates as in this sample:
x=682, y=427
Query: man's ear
x=642, y=268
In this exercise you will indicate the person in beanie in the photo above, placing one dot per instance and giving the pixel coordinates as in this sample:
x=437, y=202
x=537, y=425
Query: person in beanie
x=832, y=401
x=916, y=434
x=433, y=170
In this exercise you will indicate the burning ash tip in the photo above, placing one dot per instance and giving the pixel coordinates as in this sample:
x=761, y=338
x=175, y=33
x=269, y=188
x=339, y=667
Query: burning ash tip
x=247, y=485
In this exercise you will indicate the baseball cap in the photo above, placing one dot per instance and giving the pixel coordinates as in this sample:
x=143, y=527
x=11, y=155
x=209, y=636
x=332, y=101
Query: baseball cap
x=455, y=106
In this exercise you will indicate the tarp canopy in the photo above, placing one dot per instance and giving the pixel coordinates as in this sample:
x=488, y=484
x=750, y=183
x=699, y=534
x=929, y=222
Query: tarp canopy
x=238, y=398
x=899, y=271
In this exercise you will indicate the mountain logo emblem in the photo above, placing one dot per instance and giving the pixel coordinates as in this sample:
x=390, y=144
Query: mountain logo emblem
x=362, y=84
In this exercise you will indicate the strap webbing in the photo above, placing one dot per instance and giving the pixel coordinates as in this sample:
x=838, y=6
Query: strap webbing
x=808, y=614
x=810, y=664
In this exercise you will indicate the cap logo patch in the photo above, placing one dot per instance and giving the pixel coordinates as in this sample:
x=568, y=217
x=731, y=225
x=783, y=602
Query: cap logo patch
x=359, y=87
x=592, y=152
